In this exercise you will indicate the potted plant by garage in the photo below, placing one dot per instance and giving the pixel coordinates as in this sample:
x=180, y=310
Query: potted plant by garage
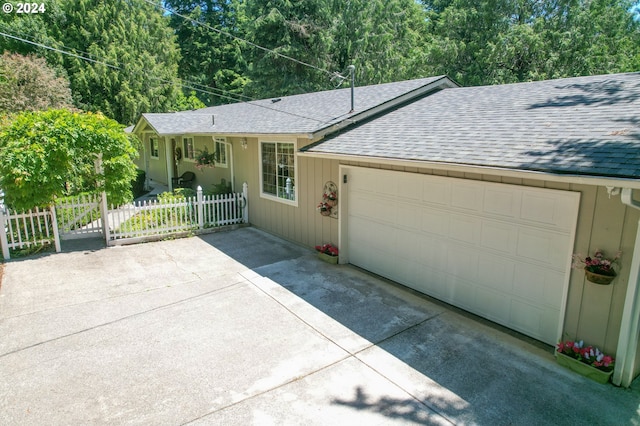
x=597, y=268
x=328, y=253
x=588, y=361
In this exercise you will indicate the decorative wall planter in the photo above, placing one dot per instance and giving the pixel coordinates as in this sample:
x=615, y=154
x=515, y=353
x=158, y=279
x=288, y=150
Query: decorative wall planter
x=599, y=278
x=328, y=258
x=583, y=369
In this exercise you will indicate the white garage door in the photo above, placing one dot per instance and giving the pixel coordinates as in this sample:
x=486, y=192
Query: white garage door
x=500, y=251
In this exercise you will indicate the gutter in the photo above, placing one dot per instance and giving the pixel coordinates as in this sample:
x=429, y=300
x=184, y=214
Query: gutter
x=630, y=324
x=481, y=170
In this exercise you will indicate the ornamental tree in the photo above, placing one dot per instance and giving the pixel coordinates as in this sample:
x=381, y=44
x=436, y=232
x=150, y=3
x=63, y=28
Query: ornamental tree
x=28, y=83
x=53, y=153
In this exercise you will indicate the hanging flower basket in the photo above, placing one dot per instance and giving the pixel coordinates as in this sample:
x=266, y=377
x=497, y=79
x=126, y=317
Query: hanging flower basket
x=597, y=268
x=599, y=278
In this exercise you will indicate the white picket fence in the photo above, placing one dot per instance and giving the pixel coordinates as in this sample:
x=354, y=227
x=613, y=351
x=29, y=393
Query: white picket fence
x=141, y=220
x=19, y=230
x=79, y=217
x=87, y=216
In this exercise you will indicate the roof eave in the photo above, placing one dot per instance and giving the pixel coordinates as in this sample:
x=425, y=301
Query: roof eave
x=483, y=170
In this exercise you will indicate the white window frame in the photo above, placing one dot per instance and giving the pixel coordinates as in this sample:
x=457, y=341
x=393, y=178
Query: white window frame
x=224, y=147
x=185, y=150
x=268, y=195
x=153, y=139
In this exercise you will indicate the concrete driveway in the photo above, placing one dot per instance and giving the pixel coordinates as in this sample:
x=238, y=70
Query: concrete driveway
x=240, y=327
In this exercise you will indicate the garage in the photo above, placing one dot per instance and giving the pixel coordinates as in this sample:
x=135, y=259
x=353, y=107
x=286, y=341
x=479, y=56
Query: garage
x=499, y=251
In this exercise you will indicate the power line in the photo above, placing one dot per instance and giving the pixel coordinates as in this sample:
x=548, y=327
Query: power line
x=192, y=86
x=204, y=24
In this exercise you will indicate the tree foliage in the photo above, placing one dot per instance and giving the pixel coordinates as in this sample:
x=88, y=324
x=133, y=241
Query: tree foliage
x=210, y=58
x=53, y=153
x=503, y=41
x=27, y=83
x=136, y=40
x=300, y=29
x=384, y=39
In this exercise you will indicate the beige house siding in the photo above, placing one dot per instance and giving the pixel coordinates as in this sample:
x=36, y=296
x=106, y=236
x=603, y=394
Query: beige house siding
x=156, y=168
x=208, y=176
x=302, y=224
x=593, y=312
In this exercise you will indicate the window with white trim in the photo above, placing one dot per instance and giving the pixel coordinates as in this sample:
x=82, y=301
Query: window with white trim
x=278, y=170
x=153, y=147
x=188, y=151
x=220, y=148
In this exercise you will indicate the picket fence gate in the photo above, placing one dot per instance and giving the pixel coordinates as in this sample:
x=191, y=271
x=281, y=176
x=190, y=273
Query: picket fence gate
x=88, y=216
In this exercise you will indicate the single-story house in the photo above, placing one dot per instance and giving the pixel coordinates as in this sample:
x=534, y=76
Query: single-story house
x=476, y=196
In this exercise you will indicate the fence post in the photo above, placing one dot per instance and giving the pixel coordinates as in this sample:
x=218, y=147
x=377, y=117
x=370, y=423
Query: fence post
x=54, y=224
x=245, y=209
x=104, y=212
x=200, y=208
x=3, y=237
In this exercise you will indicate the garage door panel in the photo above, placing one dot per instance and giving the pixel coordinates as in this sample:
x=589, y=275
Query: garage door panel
x=462, y=262
x=499, y=236
x=530, y=319
x=502, y=203
x=407, y=244
x=543, y=247
x=433, y=253
x=465, y=229
x=435, y=222
x=547, y=210
x=500, y=251
x=461, y=293
x=373, y=207
x=467, y=197
x=431, y=281
x=436, y=192
x=493, y=305
x=496, y=272
x=409, y=216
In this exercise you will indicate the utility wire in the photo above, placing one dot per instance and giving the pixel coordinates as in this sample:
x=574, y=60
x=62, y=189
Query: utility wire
x=118, y=65
x=204, y=24
x=188, y=86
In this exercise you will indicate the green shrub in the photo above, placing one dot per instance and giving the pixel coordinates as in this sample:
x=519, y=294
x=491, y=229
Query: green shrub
x=137, y=185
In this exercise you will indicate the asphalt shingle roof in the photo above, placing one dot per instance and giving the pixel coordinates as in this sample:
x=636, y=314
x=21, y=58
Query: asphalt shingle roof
x=584, y=125
x=298, y=114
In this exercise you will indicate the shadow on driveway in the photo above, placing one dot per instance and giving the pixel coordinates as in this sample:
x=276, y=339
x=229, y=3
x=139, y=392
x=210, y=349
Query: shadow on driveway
x=464, y=368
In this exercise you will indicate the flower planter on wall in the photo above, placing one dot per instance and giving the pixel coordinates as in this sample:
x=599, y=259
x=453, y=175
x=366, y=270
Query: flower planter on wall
x=328, y=258
x=599, y=278
x=583, y=369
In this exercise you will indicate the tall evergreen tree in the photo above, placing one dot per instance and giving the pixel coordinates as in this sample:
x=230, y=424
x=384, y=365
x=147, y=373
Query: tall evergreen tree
x=503, y=41
x=136, y=39
x=383, y=38
x=301, y=29
x=211, y=58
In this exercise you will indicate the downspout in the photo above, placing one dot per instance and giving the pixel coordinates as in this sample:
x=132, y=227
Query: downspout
x=628, y=339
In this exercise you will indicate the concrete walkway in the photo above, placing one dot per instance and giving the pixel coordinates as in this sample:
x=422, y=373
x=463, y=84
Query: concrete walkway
x=240, y=328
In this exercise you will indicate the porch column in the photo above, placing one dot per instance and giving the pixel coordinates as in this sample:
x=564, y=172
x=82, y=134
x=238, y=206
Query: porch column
x=168, y=150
